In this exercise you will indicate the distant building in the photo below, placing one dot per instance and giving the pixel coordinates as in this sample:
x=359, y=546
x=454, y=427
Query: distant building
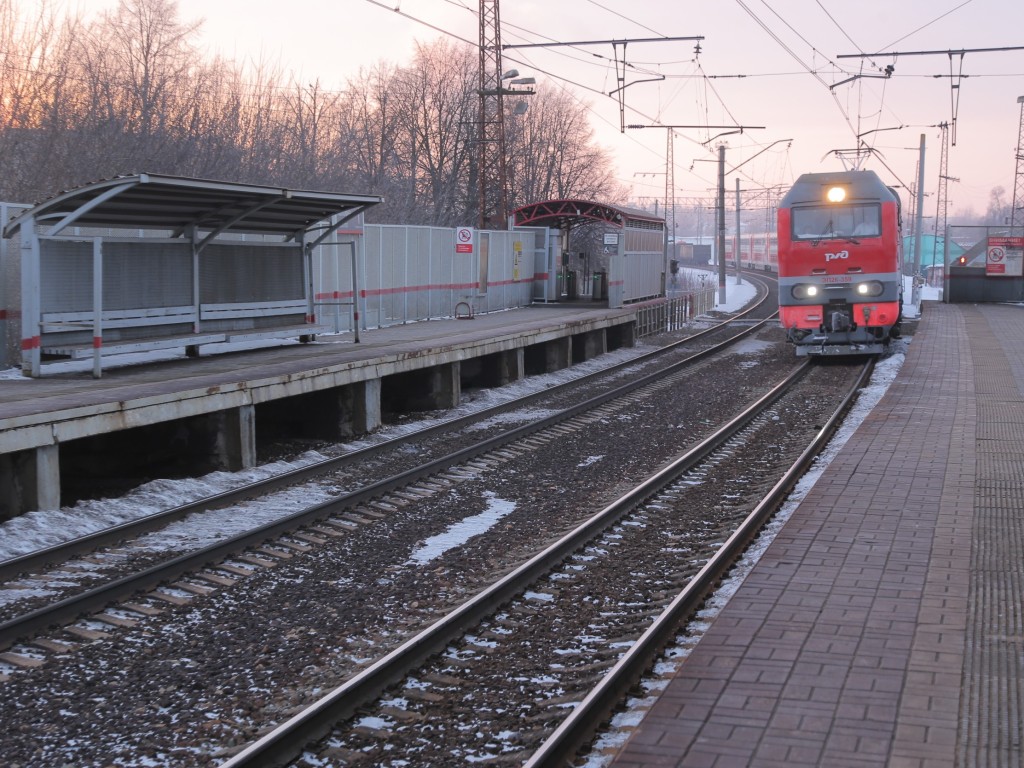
x=932, y=252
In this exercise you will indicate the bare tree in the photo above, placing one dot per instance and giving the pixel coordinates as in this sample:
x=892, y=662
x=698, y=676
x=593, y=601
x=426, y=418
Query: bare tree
x=150, y=55
x=128, y=91
x=998, y=211
x=439, y=98
x=371, y=121
x=34, y=59
x=553, y=154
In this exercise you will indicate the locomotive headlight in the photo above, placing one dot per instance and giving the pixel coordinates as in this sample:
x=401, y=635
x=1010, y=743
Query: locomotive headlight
x=805, y=291
x=836, y=194
x=870, y=288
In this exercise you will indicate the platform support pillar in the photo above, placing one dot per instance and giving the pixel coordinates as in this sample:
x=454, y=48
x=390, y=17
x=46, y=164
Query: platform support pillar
x=558, y=353
x=363, y=401
x=592, y=344
x=446, y=386
x=47, y=472
x=236, y=438
x=29, y=481
x=511, y=366
x=628, y=335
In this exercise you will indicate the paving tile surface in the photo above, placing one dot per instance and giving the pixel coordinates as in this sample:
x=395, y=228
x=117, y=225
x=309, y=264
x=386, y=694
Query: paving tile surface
x=884, y=625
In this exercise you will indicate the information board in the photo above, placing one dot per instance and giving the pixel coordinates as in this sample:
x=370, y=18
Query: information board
x=1004, y=257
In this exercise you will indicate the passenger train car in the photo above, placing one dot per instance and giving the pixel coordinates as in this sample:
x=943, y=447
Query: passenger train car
x=839, y=257
x=759, y=250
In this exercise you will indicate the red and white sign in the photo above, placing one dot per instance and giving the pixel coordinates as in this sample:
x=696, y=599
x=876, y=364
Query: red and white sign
x=1004, y=257
x=465, y=237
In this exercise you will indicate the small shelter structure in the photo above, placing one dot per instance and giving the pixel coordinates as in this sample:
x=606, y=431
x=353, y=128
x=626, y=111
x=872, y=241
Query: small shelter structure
x=148, y=261
x=634, y=245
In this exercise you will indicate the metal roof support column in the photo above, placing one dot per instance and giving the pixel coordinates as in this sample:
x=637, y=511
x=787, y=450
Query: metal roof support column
x=97, y=307
x=307, y=280
x=196, y=303
x=30, y=299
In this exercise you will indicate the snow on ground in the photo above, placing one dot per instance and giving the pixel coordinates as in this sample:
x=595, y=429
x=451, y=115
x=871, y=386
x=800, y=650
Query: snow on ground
x=44, y=528
x=884, y=374
x=462, y=531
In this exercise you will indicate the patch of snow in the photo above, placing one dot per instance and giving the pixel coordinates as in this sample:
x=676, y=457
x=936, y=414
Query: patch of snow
x=461, y=532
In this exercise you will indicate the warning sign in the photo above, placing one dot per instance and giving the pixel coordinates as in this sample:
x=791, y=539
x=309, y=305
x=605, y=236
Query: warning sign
x=1004, y=257
x=464, y=239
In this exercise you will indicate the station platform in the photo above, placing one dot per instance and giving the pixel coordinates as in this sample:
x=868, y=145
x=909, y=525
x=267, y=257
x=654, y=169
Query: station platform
x=206, y=410
x=884, y=625
x=22, y=397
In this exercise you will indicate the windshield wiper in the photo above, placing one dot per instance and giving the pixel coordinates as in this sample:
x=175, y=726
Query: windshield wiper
x=819, y=238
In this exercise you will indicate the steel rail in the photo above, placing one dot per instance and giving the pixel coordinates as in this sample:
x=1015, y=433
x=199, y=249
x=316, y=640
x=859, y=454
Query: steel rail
x=589, y=715
x=93, y=600
x=16, y=566
x=287, y=741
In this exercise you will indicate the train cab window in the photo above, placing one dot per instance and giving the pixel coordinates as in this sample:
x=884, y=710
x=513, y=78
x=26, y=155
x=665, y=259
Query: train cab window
x=830, y=222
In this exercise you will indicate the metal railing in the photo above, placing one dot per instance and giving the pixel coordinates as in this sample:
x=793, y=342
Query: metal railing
x=673, y=313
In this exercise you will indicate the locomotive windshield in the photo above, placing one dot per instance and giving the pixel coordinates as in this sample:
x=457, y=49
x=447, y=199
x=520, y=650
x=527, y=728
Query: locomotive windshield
x=823, y=222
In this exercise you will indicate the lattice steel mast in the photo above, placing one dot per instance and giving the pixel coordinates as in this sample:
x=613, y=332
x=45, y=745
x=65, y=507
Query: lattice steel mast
x=492, y=170
x=1017, y=208
x=942, y=201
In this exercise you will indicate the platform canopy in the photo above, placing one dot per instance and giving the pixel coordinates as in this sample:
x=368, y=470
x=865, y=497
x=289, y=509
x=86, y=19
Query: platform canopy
x=149, y=262
x=565, y=214
x=152, y=201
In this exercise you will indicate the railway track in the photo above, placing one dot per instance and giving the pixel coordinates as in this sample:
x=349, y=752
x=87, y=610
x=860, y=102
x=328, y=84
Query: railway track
x=209, y=670
x=235, y=556
x=756, y=315
x=187, y=687
x=526, y=670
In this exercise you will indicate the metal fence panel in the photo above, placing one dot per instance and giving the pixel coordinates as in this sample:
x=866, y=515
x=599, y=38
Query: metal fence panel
x=408, y=274
x=991, y=268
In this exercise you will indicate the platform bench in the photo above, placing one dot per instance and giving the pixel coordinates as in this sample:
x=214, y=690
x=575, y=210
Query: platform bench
x=73, y=324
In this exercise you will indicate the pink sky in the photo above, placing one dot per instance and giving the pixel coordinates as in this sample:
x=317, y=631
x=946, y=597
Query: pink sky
x=772, y=44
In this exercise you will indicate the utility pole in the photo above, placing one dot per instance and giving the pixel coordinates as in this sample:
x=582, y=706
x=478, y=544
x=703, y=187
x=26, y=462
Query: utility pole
x=721, y=224
x=738, y=233
x=492, y=173
x=915, y=292
x=670, y=203
x=670, y=199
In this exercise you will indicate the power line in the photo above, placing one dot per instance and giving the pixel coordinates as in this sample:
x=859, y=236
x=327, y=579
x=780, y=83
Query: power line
x=955, y=77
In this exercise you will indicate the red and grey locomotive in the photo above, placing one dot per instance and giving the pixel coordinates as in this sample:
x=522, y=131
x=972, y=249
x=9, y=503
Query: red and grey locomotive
x=840, y=255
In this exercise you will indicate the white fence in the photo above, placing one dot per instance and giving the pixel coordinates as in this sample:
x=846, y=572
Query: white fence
x=405, y=274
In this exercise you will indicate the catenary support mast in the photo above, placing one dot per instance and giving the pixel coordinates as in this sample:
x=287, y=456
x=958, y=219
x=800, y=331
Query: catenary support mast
x=1017, y=208
x=492, y=171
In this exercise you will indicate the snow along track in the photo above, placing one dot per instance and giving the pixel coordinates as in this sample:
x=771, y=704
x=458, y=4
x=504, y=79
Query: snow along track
x=497, y=692
x=175, y=580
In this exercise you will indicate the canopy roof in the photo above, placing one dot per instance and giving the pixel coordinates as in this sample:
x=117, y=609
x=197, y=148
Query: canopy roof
x=151, y=201
x=564, y=214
